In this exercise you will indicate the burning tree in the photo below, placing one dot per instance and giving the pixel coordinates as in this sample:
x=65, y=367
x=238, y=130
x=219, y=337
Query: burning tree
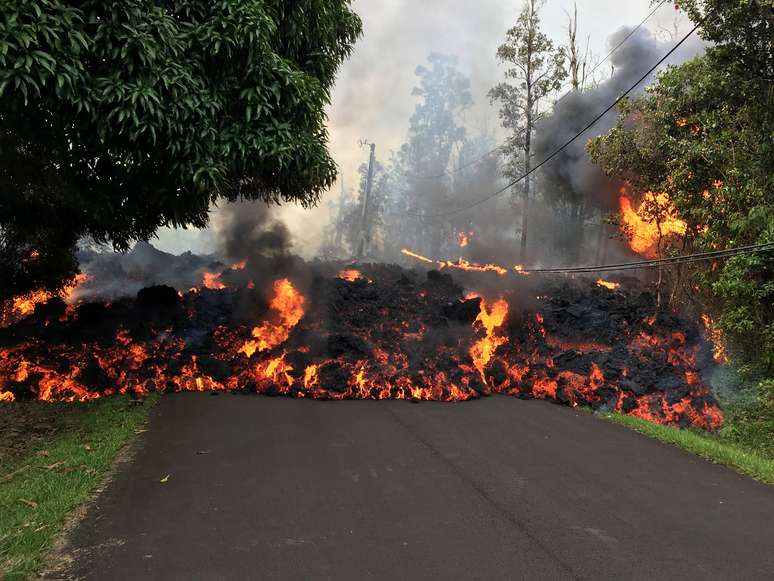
x=701, y=135
x=121, y=117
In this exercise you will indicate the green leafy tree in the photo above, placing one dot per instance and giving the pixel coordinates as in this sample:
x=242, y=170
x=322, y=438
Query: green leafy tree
x=118, y=117
x=741, y=32
x=702, y=134
x=535, y=70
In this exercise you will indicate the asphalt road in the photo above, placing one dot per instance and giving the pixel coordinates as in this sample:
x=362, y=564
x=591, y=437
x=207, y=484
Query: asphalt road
x=264, y=488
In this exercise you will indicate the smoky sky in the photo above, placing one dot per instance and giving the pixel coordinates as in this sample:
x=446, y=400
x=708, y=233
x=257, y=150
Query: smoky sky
x=246, y=229
x=372, y=98
x=573, y=168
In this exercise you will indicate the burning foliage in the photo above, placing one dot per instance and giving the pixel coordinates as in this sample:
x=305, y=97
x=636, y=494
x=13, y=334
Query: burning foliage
x=654, y=220
x=385, y=333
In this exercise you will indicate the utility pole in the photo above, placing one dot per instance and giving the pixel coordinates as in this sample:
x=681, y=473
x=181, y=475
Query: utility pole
x=365, y=235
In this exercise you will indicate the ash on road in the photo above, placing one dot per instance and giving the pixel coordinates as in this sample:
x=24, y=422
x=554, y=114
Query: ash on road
x=499, y=488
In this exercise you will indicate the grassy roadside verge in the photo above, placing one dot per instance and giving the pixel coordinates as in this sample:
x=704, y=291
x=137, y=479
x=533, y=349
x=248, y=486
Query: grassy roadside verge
x=712, y=447
x=45, y=481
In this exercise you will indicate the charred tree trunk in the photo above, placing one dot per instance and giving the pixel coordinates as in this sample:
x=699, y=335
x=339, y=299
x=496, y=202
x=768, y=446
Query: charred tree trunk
x=575, y=65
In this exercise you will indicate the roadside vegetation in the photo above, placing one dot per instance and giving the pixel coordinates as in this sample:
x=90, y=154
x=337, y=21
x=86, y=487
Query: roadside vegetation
x=720, y=448
x=746, y=441
x=701, y=134
x=52, y=458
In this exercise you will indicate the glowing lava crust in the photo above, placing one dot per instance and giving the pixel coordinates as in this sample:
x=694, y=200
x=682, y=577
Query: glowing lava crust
x=388, y=333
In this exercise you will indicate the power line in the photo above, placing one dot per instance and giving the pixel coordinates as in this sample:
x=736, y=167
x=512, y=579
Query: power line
x=569, y=142
x=676, y=260
x=690, y=258
x=599, y=64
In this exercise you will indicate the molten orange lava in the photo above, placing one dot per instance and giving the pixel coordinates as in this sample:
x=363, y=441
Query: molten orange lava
x=608, y=285
x=350, y=275
x=396, y=357
x=460, y=264
x=288, y=307
x=519, y=268
x=211, y=280
x=644, y=229
x=463, y=264
x=21, y=306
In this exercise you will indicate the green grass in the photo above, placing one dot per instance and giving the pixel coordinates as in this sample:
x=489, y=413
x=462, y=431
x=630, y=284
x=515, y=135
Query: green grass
x=718, y=448
x=42, y=483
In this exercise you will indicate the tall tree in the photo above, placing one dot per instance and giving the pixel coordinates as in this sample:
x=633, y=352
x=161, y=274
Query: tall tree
x=434, y=132
x=118, y=117
x=535, y=69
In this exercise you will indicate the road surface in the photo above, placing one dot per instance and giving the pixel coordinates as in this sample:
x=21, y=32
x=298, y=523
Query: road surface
x=262, y=488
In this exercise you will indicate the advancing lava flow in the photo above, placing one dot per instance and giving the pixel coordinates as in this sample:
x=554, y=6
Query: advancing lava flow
x=383, y=333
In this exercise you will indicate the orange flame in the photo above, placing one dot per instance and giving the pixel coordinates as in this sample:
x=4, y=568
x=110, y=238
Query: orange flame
x=288, y=306
x=644, y=231
x=310, y=376
x=416, y=256
x=483, y=351
x=21, y=306
x=460, y=264
x=211, y=280
x=26, y=304
x=608, y=285
x=463, y=264
x=350, y=275
x=715, y=335
x=463, y=238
